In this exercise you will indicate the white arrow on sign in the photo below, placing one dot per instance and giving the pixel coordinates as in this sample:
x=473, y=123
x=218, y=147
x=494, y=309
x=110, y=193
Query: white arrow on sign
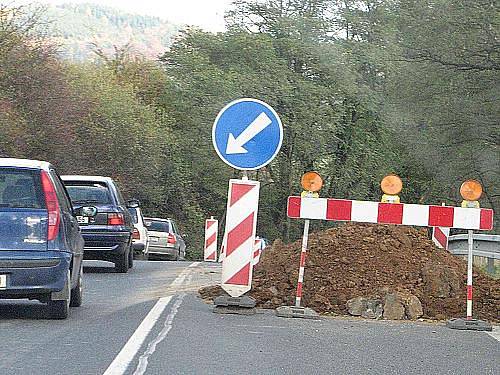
x=235, y=145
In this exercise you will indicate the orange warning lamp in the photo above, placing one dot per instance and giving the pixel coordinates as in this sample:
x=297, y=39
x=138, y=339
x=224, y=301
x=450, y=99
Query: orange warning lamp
x=391, y=184
x=311, y=181
x=471, y=191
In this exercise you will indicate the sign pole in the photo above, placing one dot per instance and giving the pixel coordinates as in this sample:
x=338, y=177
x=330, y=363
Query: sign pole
x=302, y=264
x=470, y=261
x=247, y=135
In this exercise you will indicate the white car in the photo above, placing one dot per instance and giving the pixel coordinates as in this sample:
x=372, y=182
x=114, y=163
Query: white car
x=140, y=237
x=166, y=240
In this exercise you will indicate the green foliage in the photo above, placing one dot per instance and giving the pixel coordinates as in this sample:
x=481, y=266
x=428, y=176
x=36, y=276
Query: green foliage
x=77, y=27
x=363, y=88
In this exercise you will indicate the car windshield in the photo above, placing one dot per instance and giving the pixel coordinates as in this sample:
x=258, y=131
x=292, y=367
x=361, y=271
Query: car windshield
x=20, y=188
x=94, y=193
x=158, y=226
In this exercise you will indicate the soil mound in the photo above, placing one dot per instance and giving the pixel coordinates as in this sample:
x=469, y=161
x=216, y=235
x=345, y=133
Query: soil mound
x=372, y=261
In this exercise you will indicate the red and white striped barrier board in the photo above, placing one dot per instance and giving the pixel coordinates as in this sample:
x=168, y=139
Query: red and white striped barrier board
x=241, y=222
x=211, y=229
x=440, y=237
x=257, y=250
x=390, y=213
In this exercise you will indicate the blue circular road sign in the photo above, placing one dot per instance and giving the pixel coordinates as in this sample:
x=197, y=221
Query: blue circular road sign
x=247, y=134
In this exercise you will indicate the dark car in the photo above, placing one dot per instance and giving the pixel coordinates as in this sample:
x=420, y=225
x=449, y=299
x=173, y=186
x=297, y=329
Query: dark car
x=165, y=241
x=104, y=219
x=41, y=248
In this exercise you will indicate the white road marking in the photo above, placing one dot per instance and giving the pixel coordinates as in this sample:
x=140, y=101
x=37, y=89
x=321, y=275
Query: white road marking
x=124, y=358
x=495, y=333
x=143, y=360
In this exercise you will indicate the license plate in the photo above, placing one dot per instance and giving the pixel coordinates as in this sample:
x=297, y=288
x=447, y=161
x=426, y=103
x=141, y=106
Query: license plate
x=3, y=281
x=155, y=239
x=82, y=219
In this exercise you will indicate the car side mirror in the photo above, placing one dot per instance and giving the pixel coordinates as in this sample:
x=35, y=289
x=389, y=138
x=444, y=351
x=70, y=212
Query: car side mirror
x=133, y=203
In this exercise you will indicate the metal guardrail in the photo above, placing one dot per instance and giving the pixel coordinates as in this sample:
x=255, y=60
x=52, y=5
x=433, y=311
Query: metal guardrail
x=484, y=245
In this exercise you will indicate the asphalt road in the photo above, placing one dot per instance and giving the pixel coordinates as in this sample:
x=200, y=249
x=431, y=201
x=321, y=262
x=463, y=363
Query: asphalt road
x=150, y=321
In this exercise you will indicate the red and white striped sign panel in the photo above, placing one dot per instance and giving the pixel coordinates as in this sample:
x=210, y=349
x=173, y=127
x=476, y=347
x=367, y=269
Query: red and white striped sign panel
x=257, y=250
x=241, y=222
x=390, y=213
x=440, y=237
x=222, y=247
x=211, y=229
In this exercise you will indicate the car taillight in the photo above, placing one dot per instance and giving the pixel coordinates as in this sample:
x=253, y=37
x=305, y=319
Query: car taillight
x=171, y=238
x=116, y=219
x=136, y=235
x=52, y=204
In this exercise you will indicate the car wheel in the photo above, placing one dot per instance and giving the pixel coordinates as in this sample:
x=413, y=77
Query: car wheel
x=121, y=264
x=60, y=309
x=131, y=257
x=77, y=292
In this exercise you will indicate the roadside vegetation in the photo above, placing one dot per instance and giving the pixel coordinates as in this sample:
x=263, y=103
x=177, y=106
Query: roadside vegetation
x=363, y=88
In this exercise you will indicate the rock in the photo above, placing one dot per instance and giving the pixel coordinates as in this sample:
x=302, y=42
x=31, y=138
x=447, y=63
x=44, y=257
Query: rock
x=440, y=281
x=356, y=306
x=393, y=307
x=402, y=305
x=374, y=309
x=413, y=308
x=368, y=308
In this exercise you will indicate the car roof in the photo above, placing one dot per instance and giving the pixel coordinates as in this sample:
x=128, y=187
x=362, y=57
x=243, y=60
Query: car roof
x=86, y=178
x=24, y=163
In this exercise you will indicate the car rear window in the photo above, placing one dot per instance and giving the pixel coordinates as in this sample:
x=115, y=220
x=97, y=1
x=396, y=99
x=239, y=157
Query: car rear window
x=88, y=192
x=20, y=188
x=133, y=213
x=158, y=226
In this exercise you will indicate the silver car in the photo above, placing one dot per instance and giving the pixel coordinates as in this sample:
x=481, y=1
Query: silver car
x=165, y=241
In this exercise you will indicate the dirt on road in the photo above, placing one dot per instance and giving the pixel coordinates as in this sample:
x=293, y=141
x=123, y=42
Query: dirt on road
x=364, y=260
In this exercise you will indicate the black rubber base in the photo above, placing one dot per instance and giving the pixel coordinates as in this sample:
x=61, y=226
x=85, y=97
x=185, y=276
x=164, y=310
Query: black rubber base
x=296, y=312
x=469, y=325
x=235, y=305
x=235, y=310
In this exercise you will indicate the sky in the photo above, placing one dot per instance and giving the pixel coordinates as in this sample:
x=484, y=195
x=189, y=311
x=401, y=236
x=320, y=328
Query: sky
x=207, y=14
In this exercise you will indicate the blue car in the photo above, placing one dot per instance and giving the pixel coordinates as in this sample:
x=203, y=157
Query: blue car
x=104, y=218
x=41, y=248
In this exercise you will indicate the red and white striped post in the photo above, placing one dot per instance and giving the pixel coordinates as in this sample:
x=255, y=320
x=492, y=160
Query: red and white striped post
x=211, y=229
x=469, y=274
x=241, y=223
x=303, y=253
x=256, y=251
x=311, y=183
x=222, y=247
x=440, y=237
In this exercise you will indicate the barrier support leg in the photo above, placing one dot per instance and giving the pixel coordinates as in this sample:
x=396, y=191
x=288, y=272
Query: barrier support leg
x=469, y=323
x=297, y=311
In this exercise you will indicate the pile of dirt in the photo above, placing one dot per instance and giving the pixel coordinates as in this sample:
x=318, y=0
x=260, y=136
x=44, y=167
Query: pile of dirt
x=372, y=261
